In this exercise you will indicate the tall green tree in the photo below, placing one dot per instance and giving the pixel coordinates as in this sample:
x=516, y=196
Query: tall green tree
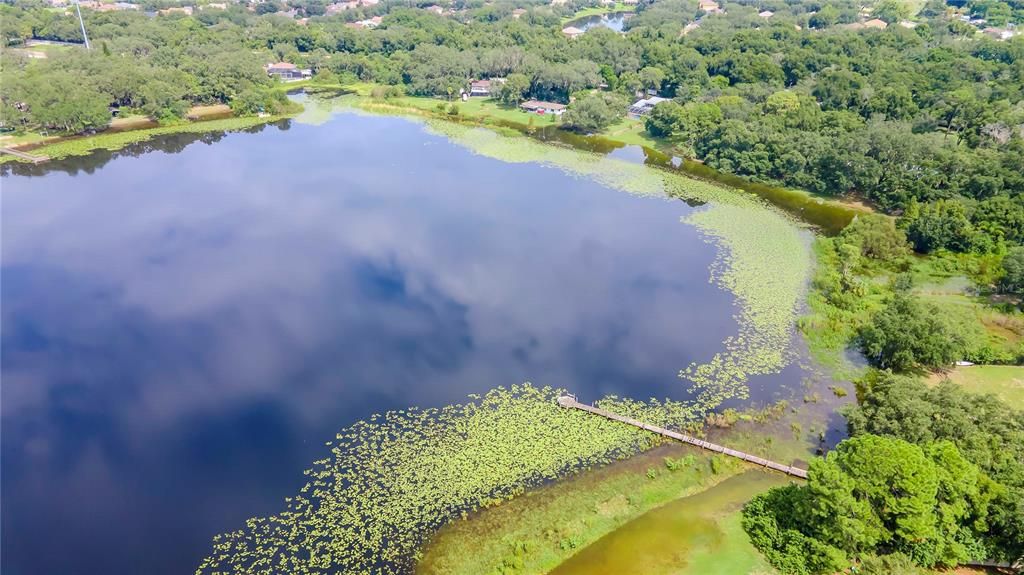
x=909, y=334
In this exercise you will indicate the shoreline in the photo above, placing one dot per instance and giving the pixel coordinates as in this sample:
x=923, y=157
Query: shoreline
x=828, y=214
x=551, y=524
x=118, y=137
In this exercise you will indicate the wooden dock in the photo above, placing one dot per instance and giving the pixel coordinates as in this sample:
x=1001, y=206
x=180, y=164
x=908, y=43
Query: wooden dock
x=570, y=402
x=24, y=155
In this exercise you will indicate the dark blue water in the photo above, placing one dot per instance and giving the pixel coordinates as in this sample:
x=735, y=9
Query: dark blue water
x=183, y=329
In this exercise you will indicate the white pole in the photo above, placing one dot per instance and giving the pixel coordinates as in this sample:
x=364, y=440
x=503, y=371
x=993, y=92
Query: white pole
x=82, y=24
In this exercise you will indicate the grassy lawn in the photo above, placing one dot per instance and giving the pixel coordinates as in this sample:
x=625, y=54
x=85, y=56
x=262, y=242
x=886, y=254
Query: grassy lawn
x=476, y=108
x=1003, y=381
x=14, y=139
x=597, y=11
x=632, y=132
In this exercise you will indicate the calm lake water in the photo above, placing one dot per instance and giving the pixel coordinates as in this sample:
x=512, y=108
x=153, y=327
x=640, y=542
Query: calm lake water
x=186, y=322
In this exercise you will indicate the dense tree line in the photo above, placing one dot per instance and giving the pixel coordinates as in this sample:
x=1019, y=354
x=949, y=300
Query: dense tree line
x=932, y=476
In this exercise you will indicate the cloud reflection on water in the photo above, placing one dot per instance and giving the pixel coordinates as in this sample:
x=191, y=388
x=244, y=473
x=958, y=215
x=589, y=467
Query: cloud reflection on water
x=182, y=331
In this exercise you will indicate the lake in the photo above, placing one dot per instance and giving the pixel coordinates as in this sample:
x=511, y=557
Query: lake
x=186, y=322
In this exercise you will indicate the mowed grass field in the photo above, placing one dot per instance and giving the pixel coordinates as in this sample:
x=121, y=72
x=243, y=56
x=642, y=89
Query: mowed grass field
x=1003, y=381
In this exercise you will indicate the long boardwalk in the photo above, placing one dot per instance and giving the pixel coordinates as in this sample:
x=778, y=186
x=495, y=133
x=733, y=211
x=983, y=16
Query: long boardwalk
x=24, y=155
x=570, y=402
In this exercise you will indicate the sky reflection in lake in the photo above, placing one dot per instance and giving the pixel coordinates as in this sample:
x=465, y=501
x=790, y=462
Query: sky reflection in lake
x=182, y=332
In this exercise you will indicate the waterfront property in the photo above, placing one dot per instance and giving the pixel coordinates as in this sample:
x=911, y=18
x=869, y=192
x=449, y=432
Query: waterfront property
x=288, y=72
x=540, y=107
x=644, y=106
x=483, y=87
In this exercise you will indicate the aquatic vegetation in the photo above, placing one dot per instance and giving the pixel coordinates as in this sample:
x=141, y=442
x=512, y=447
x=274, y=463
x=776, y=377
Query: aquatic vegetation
x=391, y=480
x=763, y=255
x=764, y=262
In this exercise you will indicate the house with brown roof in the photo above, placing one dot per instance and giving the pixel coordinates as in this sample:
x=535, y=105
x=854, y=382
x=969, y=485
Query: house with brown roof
x=876, y=24
x=288, y=72
x=540, y=107
x=481, y=87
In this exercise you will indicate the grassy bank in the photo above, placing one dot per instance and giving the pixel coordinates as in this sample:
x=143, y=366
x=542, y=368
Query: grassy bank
x=537, y=532
x=542, y=529
x=83, y=145
x=701, y=534
x=828, y=213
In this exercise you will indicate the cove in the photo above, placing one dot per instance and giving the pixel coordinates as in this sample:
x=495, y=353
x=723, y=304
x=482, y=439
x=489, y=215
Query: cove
x=186, y=321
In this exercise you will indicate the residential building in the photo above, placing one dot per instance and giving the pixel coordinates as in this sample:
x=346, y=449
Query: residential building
x=288, y=72
x=766, y=14
x=644, y=106
x=484, y=87
x=876, y=24
x=540, y=107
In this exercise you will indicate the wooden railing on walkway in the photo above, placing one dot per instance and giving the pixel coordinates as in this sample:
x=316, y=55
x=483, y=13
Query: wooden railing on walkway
x=24, y=155
x=568, y=401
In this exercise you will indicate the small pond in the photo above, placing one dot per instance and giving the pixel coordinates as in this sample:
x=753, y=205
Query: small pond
x=615, y=20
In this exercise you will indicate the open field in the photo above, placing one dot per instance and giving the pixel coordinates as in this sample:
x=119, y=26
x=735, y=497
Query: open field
x=1004, y=381
x=477, y=108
